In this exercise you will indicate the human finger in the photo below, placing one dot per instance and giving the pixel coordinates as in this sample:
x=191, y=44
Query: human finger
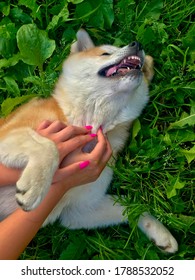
x=67, y=147
x=71, y=131
x=56, y=126
x=80, y=172
x=100, y=155
x=108, y=153
x=44, y=124
x=101, y=146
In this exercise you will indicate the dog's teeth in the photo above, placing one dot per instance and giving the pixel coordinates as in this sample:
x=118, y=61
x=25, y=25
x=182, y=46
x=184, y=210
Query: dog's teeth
x=134, y=57
x=114, y=73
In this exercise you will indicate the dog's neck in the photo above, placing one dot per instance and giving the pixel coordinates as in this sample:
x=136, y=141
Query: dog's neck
x=89, y=113
x=99, y=109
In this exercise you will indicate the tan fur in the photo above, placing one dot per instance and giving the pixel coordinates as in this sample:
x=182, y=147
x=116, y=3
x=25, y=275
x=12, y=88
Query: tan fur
x=92, y=52
x=148, y=68
x=2, y=122
x=32, y=114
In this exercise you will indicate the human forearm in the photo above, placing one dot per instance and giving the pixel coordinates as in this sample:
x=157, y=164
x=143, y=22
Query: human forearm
x=20, y=227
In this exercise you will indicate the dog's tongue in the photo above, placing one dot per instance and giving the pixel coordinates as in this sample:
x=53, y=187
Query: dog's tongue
x=131, y=62
x=111, y=71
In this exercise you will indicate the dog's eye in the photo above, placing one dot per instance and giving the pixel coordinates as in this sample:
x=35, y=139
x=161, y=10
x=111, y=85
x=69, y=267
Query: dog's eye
x=105, y=53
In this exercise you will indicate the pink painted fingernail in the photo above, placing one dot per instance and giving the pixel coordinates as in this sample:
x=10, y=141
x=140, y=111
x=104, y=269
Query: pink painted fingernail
x=93, y=135
x=84, y=164
x=88, y=127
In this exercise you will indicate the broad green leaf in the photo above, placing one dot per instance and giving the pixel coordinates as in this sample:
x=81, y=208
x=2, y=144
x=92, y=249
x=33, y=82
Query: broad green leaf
x=4, y=63
x=151, y=9
x=167, y=139
x=19, y=15
x=189, y=220
x=151, y=148
x=31, y=4
x=7, y=39
x=75, y=1
x=148, y=36
x=10, y=103
x=160, y=29
x=62, y=16
x=154, y=8
x=84, y=10
x=33, y=79
x=192, y=110
x=68, y=35
x=108, y=14
x=174, y=184
x=97, y=13
x=12, y=86
x=104, y=16
x=74, y=250
x=5, y=9
x=189, y=154
x=187, y=120
x=136, y=128
x=34, y=45
x=179, y=136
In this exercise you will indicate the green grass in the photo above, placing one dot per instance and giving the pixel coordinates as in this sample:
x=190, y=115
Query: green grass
x=155, y=172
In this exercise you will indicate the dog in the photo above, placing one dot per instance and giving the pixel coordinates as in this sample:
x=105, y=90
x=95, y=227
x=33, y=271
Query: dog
x=102, y=86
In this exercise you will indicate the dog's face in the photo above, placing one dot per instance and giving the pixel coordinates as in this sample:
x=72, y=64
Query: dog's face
x=120, y=67
x=107, y=78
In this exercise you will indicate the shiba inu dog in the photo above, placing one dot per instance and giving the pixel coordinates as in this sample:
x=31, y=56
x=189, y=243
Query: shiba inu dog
x=102, y=86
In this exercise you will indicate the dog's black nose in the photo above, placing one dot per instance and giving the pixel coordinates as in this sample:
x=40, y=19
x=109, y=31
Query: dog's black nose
x=136, y=45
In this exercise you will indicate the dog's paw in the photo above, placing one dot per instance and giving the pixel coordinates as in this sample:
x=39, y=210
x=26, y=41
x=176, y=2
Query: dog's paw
x=30, y=191
x=157, y=233
x=35, y=182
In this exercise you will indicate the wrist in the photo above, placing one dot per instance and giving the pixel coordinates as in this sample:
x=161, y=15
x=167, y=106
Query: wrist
x=39, y=214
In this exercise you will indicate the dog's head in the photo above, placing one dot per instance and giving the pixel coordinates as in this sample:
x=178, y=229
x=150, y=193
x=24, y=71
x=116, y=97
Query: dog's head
x=106, y=81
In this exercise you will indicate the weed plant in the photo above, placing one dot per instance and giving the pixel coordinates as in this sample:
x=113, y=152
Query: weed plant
x=155, y=172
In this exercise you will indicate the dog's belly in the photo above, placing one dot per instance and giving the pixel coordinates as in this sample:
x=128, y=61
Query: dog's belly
x=81, y=199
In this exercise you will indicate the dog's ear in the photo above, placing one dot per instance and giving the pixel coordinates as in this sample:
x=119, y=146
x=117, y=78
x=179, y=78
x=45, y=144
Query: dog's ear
x=148, y=68
x=83, y=42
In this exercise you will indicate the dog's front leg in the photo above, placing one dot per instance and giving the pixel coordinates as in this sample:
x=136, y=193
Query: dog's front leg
x=39, y=159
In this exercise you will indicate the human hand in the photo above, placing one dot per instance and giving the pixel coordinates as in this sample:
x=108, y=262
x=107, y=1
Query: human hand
x=66, y=138
x=77, y=166
x=82, y=168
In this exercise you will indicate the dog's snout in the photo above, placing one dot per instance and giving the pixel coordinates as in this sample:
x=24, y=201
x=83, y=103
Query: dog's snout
x=133, y=44
x=136, y=45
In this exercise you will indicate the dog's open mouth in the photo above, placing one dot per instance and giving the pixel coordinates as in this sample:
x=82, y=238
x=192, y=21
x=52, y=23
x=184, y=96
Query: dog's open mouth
x=124, y=67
